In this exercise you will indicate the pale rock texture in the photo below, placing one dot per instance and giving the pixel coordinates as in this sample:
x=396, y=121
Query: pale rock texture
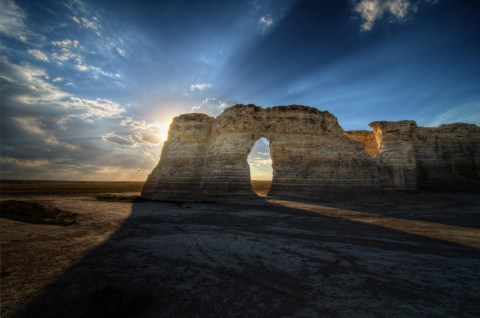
x=396, y=158
x=448, y=152
x=206, y=157
x=411, y=156
x=366, y=138
x=179, y=173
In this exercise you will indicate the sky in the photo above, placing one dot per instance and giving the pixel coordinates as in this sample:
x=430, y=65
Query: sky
x=88, y=88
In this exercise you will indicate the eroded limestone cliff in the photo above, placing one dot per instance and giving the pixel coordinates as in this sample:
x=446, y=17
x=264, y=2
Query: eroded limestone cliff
x=206, y=157
x=366, y=138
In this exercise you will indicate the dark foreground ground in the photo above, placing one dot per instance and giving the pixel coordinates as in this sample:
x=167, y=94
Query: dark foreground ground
x=370, y=254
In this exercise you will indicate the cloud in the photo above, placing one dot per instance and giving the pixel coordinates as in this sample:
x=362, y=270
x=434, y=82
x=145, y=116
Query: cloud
x=260, y=162
x=466, y=113
x=24, y=162
x=80, y=12
x=120, y=51
x=39, y=55
x=211, y=106
x=199, y=87
x=373, y=10
x=67, y=43
x=58, y=79
x=93, y=107
x=70, y=51
x=151, y=133
x=150, y=138
x=12, y=21
x=124, y=141
x=33, y=126
x=27, y=84
x=265, y=21
x=88, y=24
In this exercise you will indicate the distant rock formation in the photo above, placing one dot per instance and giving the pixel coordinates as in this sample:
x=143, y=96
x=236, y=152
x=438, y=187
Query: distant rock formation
x=409, y=155
x=206, y=157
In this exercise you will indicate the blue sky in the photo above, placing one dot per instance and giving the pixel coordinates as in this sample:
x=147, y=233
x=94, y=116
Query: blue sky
x=88, y=88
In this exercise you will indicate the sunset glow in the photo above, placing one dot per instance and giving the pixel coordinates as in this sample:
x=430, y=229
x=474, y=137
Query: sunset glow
x=89, y=87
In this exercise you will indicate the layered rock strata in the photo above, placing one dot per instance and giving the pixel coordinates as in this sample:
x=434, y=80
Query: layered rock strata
x=396, y=158
x=366, y=138
x=308, y=150
x=410, y=156
x=206, y=157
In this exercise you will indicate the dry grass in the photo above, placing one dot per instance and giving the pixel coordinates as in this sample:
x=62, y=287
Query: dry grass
x=35, y=212
x=59, y=187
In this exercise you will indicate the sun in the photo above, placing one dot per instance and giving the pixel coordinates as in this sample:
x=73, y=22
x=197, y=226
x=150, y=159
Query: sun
x=162, y=129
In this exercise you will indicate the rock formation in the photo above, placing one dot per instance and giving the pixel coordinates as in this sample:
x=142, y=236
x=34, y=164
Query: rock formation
x=366, y=138
x=409, y=154
x=206, y=157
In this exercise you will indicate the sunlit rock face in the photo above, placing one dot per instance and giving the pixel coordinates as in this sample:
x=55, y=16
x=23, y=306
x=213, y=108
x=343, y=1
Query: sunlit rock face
x=396, y=158
x=179, y=173
x=206, y=157
x=366, y=138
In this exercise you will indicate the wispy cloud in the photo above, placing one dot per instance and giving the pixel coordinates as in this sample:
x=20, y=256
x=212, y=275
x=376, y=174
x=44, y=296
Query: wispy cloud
x=30, y=86
x=25, y=162
x=68, y=136
x=12, y=21
x=71, y=50
x=88, y=24
x=199, y=87
x=93, y=107
x=467, y=113
x=32, y=126
x=39, y=55
x=82, y=16
x=124, y=141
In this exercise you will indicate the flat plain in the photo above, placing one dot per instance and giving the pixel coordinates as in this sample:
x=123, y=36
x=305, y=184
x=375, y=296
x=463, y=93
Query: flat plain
x=351, y=254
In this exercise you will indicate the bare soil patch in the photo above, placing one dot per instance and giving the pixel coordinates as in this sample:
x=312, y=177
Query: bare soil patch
x=362, y=254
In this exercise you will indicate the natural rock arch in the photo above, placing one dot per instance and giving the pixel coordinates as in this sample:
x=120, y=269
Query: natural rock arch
x=206, y=157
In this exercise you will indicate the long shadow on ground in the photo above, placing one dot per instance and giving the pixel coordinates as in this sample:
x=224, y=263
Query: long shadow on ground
x=260, y=259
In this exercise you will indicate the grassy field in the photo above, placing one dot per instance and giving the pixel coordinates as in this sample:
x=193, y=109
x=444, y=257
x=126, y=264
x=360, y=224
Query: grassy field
x=65, y=187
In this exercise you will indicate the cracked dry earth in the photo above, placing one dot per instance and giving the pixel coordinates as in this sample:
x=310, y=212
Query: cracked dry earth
x=384, y=255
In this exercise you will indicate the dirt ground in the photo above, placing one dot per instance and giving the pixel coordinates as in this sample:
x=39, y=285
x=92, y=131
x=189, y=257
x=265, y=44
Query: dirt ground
x=366, y=254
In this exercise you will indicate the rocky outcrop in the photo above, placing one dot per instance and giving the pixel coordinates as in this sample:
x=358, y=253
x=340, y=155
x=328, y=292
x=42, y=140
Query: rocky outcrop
x=411, y=156
x=179, y=173
x=206, y=157
x=447, y=153
x=366, y=138
x=396, y=158
x=309, y=154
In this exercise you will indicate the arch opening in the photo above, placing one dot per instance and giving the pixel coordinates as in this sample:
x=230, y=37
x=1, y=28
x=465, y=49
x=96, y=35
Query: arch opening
x=260, y=162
